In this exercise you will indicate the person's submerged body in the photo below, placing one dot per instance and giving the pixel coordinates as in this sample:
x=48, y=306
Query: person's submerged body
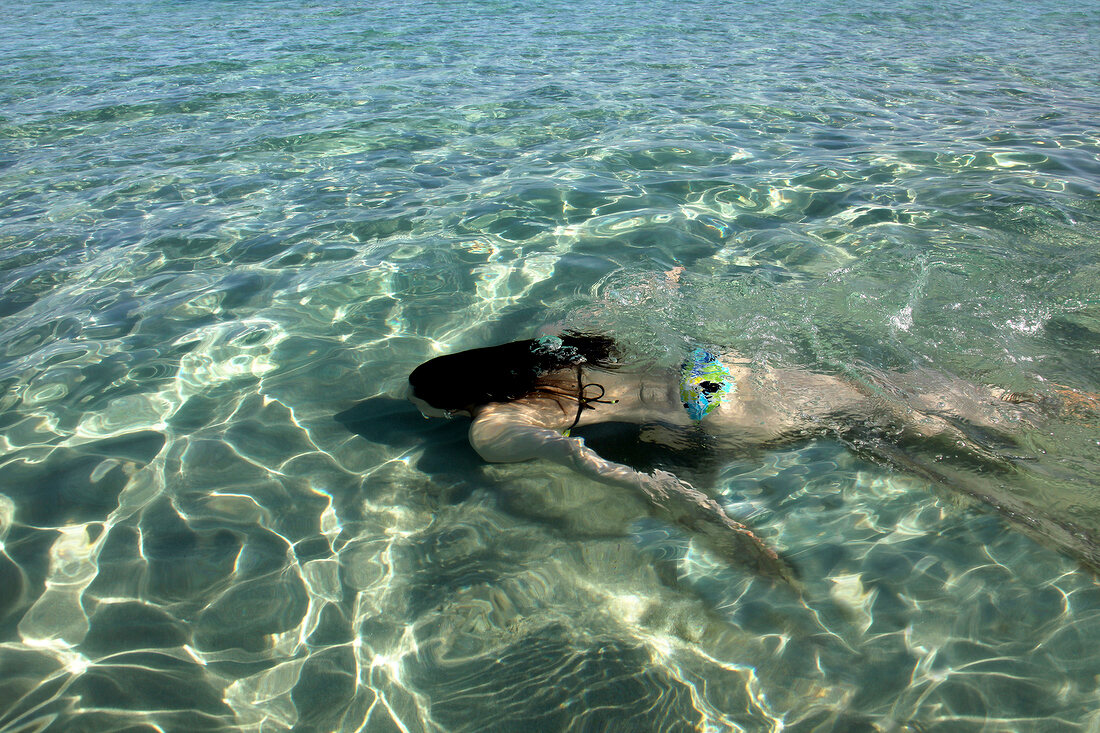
x=527, y=397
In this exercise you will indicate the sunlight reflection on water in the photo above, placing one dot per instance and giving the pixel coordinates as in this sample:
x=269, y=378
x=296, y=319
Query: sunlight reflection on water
x=230, y=232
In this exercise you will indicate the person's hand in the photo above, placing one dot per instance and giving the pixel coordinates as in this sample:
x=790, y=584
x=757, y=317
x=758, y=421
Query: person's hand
x=687, y=507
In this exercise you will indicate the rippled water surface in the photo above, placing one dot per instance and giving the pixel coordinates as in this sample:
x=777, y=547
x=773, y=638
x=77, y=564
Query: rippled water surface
x=228, y=230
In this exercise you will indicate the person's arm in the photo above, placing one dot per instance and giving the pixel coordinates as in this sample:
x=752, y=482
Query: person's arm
x=499, y=439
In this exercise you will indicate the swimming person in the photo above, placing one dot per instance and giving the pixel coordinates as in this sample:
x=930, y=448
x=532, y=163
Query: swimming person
x=526, y=397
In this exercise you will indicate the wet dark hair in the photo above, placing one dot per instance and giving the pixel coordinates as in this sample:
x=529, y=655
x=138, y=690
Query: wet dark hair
x=508, y=371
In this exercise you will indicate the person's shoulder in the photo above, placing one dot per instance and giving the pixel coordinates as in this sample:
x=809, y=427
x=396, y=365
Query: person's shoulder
x=526, y=410
x=511, y=431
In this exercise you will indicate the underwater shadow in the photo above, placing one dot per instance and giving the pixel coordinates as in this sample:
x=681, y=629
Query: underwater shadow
x=397, y=423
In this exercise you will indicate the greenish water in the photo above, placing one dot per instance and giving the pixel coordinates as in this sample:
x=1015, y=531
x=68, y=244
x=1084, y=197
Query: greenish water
x=228, y=231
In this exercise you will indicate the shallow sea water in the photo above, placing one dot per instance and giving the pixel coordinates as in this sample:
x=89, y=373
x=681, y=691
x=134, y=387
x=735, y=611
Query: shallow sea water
x=228, y=231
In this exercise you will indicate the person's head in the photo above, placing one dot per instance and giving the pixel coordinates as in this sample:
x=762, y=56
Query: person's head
x=503, y=373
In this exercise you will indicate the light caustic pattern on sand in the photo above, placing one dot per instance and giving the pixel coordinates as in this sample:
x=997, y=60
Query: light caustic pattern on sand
x=230, y=231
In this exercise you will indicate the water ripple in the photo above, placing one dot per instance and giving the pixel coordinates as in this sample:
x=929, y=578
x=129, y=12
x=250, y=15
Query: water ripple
x=225, y=225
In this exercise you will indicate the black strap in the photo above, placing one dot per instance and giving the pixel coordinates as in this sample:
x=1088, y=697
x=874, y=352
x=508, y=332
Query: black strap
x=585, y=403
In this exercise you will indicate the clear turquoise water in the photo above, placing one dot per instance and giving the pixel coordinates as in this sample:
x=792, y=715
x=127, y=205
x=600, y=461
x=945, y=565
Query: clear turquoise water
x=229, y=230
